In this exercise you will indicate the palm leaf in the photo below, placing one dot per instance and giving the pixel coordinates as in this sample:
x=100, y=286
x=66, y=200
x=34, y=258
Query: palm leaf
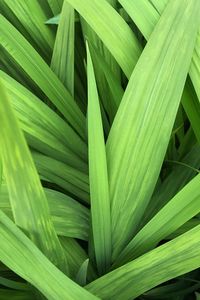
x=181, y=174
x=44, y=129
x=195, y=64
x=136, y=148
x=73, y=181
x=62, y=62
x=81, y=277
x=109, y=87
x=55, y=5
x=184, y=206
x=54, y=20
x=76, y=256
x=29, y=204
x=184, y=228
x=150, y=269
x=118, y=38
x=16, y=295
x=99, y=190
x=146, y=23
x=13, y=284
x=24, y=258
x=191, y=106
x=32, y=19
x=40, y=73
x=70, y=218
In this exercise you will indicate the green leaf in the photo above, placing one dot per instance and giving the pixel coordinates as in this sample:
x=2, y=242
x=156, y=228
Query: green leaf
x=54, y=20
x=138, y=140
x=28, y=201
x=184, y=228
x=188, y=143
x=195, y=67
x=70, y=179
x=13, y=284
x=191, y=106
x=110, y=89
x=44, y=129
x=62, y=62
x=69, y=217
x=32, y=18
x=81, y=277
x=99, y=190
x=16, y=295
x=197, y=296
x=184, y=206
x=104, y=93
x=151, y=269
x=195, y=64
x=181, y=174
x=23, y=53
x=55, y=5
x=1, y=172
x=24, y=258
x=172, y=291
x=145, y=14
x=76, y=257
x=118, y=38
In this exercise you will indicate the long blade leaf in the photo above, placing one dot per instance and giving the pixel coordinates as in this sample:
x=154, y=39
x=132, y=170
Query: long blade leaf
x=178, y=257
x=62, y=62
x=134, y=163
x=25, y=55
x=118, y=38
x=29, y=204
x=21, y=255
x=70, y=218
x=99, y=190
x=184, y=206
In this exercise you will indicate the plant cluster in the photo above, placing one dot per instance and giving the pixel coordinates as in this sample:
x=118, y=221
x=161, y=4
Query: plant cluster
x=99, y=149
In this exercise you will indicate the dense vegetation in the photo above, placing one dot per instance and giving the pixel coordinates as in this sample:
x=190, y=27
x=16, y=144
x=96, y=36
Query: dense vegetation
x=99, y=149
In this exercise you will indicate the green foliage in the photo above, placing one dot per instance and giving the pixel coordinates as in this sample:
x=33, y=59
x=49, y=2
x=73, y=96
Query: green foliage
x=99, y=149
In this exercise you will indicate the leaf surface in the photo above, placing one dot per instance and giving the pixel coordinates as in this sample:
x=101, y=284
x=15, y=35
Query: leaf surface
x=141, y=130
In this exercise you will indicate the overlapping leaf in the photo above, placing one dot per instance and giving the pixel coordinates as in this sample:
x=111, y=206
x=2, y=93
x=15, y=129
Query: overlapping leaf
x=62, y=62
x=149, y=270
x=32, y=17
x=184, y=206
x=141, y=130
x=146, y=23
x=118, y=38
x=24, y=258
x=73, y=181
x=28, y=201
x=69, y=217
x=46, y=131
x=30, y=61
